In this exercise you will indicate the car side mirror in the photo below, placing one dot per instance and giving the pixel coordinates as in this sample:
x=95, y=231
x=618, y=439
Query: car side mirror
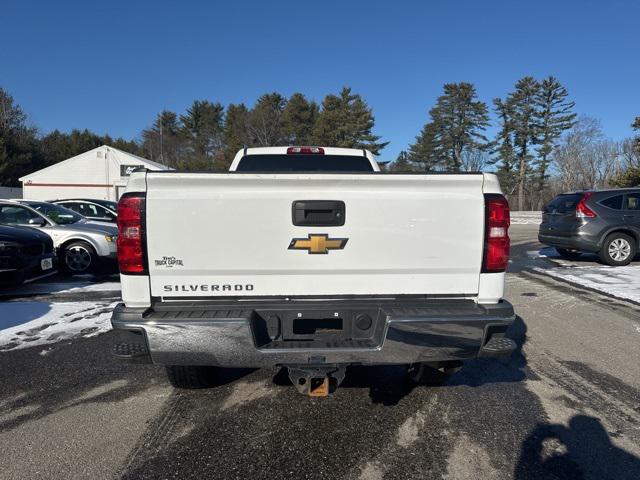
x=39, y=222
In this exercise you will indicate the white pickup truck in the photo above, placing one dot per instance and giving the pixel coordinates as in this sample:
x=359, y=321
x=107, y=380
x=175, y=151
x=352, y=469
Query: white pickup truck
x=312, y=259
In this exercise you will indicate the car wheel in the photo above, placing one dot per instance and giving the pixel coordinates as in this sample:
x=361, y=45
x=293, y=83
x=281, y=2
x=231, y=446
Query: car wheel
x=191, y=376
x=618, y=249
x=569, y=254
x=78, y=258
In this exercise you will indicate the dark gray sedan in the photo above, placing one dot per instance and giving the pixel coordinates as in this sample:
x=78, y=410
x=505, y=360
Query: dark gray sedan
x=606, y=222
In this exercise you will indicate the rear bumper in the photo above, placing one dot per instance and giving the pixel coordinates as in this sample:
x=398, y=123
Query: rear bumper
x=576, y=239
x=574, y=242
x=237, y=335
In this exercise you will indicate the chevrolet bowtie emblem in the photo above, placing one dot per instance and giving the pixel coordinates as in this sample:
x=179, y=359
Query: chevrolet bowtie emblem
x=318, y=243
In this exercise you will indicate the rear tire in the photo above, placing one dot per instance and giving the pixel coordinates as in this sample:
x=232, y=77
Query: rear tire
x=569, y=254
x=618, y=249
x=191, y=376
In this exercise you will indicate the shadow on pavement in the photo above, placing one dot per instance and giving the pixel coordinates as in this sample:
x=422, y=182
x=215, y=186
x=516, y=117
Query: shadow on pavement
x=583, y=450
x=483, y=371
x=388, y=385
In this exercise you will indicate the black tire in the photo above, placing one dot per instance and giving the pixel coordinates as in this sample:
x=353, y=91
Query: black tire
x=78, y=258
x=191, y=377
x=618, y=249
x=568, y=254
x=432, y=374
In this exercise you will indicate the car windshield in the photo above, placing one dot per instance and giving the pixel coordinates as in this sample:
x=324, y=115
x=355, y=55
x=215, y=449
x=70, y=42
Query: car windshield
x=60, y=215
x=304, y=163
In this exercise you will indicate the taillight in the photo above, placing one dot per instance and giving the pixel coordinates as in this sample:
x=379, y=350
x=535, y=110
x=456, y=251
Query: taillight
x=131, y=254
x=496, y=238
x=582, y=211
x=306, y=150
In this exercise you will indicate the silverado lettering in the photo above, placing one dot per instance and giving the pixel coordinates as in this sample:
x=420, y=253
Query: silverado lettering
x=208, y=288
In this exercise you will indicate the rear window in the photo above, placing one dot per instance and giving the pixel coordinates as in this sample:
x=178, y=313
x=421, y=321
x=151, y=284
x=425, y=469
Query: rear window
x=563, y=203
x=613, y=202
x=303, y=163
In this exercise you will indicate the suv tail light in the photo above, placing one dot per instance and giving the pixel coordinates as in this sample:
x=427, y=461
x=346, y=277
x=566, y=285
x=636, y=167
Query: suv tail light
x=305, y=150
x=582, y=211
x=131, y=235
x=496, y=238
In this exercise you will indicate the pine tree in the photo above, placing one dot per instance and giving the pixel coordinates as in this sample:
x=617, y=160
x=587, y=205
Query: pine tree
x=265, y=121
x=202, y=131
x=458, y=121
x=347, y=121
x=163, y=142
x=555, y=115
x=503, y=147
x=522, y=107
x=424, y=152
x=402, y=163
x=298, y=120
x=20, y=151
x=234, y=134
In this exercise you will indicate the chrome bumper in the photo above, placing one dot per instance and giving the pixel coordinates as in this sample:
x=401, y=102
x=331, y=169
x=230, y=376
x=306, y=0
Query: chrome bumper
x=234, y=334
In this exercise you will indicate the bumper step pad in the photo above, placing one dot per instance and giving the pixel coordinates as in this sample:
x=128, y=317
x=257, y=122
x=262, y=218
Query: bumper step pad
x=130, y=350
x=498, y=347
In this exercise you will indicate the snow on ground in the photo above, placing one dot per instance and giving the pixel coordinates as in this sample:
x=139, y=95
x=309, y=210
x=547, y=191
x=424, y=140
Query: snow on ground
x=621, y=282
x=24, y=324
x=526, y=218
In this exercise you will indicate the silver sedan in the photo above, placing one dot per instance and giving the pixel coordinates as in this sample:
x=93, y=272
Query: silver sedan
x=82, y=244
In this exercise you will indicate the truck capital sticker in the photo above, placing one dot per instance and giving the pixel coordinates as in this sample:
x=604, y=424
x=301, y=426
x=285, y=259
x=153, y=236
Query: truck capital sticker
x=169, y=262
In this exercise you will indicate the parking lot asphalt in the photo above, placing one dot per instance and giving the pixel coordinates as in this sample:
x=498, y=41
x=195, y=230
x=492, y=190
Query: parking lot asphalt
x=566, y=405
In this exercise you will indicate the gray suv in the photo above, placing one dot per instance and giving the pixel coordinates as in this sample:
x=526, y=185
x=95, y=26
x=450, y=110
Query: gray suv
x=606, y=222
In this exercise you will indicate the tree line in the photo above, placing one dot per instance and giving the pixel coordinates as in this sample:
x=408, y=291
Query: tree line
x=540, y=149
x=207, y=136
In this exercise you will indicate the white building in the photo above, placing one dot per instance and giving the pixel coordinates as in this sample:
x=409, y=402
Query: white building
x=101, y=174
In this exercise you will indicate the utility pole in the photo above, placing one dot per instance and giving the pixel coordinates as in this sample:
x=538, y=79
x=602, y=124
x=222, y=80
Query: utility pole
x=161, y=155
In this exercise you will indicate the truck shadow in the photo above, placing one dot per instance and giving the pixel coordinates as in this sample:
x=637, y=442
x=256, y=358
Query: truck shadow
x=388, y=385
x=579, y=451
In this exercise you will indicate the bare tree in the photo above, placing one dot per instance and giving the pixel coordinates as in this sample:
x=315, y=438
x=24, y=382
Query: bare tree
x=585, y=158
x=630, y=153
x=474, y=159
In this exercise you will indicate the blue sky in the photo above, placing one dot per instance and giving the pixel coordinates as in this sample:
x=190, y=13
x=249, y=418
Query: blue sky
x=111, y=67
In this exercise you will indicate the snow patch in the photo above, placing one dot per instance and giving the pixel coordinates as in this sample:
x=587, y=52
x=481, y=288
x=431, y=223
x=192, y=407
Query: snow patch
x=526, y=218
x=620, y=282
x=26, y=324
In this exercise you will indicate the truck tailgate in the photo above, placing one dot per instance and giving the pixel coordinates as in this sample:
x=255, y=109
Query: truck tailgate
x=230, y=235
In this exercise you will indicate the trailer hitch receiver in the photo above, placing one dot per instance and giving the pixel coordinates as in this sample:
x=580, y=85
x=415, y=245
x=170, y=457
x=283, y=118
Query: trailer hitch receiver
x=316, y=381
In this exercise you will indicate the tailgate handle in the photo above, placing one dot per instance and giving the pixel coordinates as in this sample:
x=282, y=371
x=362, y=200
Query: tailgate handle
x=318, y=213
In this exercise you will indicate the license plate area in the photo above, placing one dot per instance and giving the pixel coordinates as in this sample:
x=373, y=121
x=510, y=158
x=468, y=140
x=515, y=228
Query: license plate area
x=317, y=326
x=46, y=264
x=312, y=328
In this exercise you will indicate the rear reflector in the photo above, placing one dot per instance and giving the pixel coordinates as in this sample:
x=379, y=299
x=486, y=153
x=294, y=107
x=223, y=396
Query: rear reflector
x=131, y=255
x=582, y=211
x=305, y=150
x=496, y=242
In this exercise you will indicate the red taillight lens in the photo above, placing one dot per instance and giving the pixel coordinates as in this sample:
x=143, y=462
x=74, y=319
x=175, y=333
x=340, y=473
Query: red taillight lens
x=306, y=150
x=582, y=211
x=131, y=255
x=496, y=240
